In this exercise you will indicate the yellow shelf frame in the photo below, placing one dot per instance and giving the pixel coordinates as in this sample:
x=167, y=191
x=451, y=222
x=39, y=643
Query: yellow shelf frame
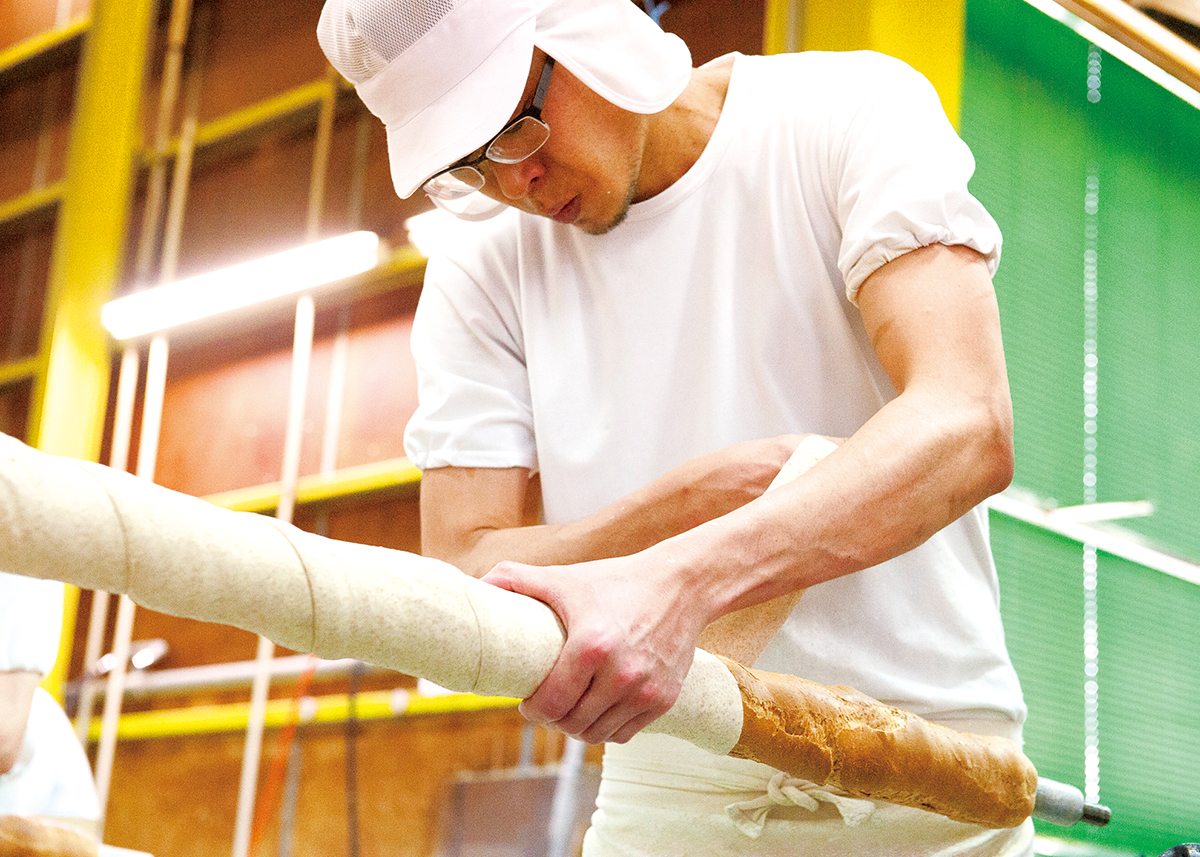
x=43, y=45
x=334, y=708
x=344, y=483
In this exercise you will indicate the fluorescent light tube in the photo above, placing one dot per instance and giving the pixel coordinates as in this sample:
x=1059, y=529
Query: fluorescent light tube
x=240, y=286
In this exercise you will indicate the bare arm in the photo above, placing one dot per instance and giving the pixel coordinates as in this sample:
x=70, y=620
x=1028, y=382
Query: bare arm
x=16, y=696
x=939, y=448
x=476, y=517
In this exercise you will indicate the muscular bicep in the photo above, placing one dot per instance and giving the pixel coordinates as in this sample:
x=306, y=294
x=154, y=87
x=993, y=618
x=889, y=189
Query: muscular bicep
x=932, y=318
x=465, y=509
x=934, y=324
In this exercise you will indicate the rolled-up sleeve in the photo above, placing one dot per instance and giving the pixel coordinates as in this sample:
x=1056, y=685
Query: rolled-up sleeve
x=901, y=178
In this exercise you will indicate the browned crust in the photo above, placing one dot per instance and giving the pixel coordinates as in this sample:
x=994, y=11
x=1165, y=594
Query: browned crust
x=839, y=737
x=30, y=837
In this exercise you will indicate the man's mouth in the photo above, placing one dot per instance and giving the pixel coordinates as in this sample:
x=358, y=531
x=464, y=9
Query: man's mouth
x=568, y=213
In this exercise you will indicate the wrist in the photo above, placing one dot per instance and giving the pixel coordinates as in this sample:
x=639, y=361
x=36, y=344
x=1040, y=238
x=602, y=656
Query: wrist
x=693, y=573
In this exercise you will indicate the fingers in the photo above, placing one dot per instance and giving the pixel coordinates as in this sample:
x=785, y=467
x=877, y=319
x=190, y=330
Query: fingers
x=603, y=693
x=629, y=646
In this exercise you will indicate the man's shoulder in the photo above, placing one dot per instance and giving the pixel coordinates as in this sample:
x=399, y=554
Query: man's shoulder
x=825, y=71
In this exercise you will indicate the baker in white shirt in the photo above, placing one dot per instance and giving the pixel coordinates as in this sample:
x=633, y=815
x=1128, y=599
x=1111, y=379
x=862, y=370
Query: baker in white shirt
x=687, y=271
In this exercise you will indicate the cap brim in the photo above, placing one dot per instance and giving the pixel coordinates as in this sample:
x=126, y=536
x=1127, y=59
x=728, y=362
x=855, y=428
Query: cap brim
x=617, y=51
x=468, y=112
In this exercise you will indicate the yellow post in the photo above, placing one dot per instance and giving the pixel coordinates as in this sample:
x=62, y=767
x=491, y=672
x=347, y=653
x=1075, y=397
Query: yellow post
x=927, y=35
x=70, y=395
x=71, y=391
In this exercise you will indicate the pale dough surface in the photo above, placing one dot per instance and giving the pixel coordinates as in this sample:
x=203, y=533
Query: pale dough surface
x=99, y=528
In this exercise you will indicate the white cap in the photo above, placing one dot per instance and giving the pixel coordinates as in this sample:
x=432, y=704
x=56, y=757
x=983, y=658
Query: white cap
x=445, y=75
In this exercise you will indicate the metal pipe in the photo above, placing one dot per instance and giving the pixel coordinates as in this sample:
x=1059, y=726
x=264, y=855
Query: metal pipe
x=302, y=345
x=1063, y=804
x=1141, y=34
x=234, y=675
x=562, y=805
x=119, y=459
x=156, y=380
x=331, y=709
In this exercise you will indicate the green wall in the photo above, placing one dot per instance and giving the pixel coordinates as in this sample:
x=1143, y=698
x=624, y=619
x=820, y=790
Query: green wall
x=1099, y=201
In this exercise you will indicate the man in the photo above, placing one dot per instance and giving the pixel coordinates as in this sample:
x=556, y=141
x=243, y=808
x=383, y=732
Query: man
x=697, y=267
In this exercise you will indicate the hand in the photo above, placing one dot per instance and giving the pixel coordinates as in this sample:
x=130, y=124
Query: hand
x=631, y=635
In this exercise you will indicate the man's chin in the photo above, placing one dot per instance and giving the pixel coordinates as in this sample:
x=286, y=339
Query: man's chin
x=612, y=222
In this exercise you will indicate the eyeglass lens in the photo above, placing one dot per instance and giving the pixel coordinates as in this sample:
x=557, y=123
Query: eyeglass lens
x=515, y=143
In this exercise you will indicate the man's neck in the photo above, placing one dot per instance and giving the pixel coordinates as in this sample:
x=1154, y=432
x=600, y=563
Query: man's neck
x=677, y=136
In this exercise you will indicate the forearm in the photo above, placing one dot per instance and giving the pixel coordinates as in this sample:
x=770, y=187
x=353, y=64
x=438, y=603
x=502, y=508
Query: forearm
x=902, y=477
x=691, y=494
x=939, y=448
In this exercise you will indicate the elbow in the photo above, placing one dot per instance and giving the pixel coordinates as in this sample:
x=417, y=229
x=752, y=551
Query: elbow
x=997, y=459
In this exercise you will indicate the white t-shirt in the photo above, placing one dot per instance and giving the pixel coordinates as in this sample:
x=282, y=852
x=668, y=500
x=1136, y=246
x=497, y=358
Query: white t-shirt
x=51, y=777
x=722, y=310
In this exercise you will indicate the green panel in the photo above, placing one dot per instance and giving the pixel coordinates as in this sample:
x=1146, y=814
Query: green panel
x=1037, y=140
x=1030, y=145
x=1148, y=146
x=1042, y=607
x=1148, y=683
x=1149, y=695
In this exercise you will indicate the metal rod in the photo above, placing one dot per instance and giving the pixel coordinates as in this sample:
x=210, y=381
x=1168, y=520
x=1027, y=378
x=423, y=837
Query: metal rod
x=1141, y=34
x=231, y=675
x=302, y=345
x=156, y=379
x=112, y=708
x=156, y=374
x=562, y=805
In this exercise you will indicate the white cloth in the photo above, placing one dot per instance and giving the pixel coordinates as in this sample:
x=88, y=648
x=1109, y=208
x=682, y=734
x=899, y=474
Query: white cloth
x=661, y=797
x=721, y=311
x=51, y=777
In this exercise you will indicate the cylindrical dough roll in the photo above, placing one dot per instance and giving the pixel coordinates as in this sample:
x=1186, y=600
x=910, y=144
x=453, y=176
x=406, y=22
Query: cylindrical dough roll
x=100, y=528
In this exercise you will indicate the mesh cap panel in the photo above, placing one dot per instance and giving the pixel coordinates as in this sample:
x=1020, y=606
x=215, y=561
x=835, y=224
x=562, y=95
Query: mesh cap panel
x=360, y=37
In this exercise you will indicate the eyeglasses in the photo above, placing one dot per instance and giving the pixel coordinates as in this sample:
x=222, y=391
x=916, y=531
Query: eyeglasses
x=519, y=140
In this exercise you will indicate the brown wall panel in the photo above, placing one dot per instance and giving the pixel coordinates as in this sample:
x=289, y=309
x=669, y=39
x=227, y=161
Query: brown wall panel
x=27, y=105
x=247, y=205
x=24, y=265
x=14, y=408
x=225, y=406
x=20, y=115
x=177, y=797
x=24, y=19
x=258, y=49
x=379, y=210
x=713, y=28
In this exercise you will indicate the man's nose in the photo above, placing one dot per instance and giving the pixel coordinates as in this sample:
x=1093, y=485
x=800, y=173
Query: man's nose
x=514, y=179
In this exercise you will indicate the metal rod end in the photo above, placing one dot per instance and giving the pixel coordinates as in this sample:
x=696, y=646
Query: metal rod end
x=1096, y=815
